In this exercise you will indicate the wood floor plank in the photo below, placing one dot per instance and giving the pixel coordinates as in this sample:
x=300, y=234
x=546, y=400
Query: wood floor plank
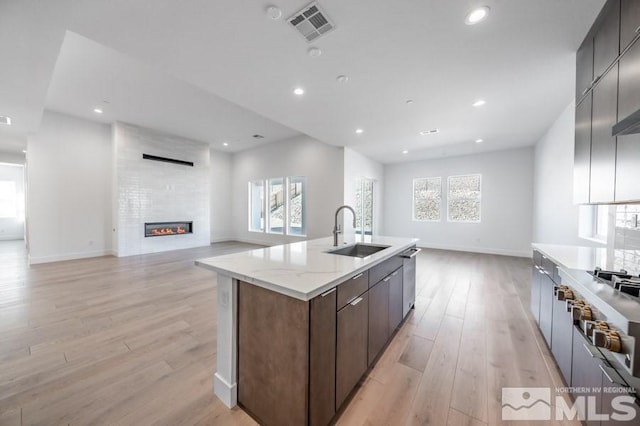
x=416, y=353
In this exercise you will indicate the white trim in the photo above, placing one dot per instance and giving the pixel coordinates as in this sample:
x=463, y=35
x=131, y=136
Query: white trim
x=227, y=393
x=481, y=250
x=69, y=256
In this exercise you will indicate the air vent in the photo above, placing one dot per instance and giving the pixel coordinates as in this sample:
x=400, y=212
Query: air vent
x=258, y=136
x=311, y=22
x=5, y=120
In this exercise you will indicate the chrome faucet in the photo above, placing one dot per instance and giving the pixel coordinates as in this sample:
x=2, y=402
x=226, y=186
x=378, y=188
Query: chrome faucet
x=336, y=227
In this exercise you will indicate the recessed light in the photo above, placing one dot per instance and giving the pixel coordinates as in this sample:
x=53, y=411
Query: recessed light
x=477, y=15
x=359, y=131
x=479, y=140
x=405, y=152
x=479, y=102
x=98, y=110
x=225, y=143
x=342, y=78
x=24, y=151
x=274, y=12
x=298, y=91
x=5, y=120
x=429, y=132
x=314, y=52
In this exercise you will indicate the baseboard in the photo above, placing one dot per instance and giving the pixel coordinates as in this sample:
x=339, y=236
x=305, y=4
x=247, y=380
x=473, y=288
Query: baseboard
x=256, y=242
x=69, y=256
x=222, y=240
x=11, y=237
x=226, y=392
x=482, y=250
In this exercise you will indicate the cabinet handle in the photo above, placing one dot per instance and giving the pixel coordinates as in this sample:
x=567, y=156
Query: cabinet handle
x=637, y=30
x=387, y=278
x=355, y=301
x=595, y=80
x=590, y=351
x=612, y=375
x=326, y=293
x=358, y=276
x=584, y=92
x=394, y=274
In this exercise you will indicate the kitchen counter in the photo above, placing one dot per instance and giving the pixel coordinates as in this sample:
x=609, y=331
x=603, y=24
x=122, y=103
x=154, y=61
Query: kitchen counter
x=573, y=261
x=300, y=271
x=304, y=269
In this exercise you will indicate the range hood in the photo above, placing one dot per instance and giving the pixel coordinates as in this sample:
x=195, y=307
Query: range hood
x=628, y=126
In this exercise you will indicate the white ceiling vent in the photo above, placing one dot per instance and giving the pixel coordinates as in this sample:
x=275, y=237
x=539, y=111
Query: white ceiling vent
x=311, y=22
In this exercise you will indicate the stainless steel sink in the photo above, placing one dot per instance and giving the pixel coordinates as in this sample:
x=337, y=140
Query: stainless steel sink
x=358, y=250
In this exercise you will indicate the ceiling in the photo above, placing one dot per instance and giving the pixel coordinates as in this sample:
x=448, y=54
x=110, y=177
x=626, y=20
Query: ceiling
x=215, y=70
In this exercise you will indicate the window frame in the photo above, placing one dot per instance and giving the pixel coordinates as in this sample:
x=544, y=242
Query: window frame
x=413, y=200
x=479, y=199
x=266, y=201
x=303, y=213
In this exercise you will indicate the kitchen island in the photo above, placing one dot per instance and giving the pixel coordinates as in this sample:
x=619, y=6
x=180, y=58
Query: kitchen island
x=299, y=326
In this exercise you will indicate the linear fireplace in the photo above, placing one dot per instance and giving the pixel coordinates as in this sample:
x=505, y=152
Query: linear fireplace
x=160, y=229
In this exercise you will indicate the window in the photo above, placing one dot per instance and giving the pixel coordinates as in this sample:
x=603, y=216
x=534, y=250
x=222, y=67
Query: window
x=464, y=198
x=364, y=206
x=276, y=202
x=256, y=206
x=8, y=199
x=276, y=206
x=427, y=198
x=297, y=200
x=593, y=222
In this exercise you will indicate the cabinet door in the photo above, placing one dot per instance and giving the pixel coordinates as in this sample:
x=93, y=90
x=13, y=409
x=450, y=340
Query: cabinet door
x=584, y=67
x=395, y=300
x=351, y=346
x=322, y=358
x=613, y=386
x=606, y=39
x=378, y=318
x=562, y=336
x=629, y=22
x=546, y=307
x=603, y=145
x=536, y=276
x=628, y=151
x=586, y=373
x=582, y=152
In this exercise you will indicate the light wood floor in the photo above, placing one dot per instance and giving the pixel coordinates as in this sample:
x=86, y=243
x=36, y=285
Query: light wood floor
x=132, y=341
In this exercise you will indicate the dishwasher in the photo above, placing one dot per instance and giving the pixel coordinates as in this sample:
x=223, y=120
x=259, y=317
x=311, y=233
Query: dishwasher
x=408, y=279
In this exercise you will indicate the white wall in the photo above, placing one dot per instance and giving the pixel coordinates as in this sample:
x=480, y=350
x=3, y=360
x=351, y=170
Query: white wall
x=322, y=164
x=556, y=218
x=69, y=180
x=12, y=228
x=153, y=191
x=221, y=224
x=357, y=165
x=507, y=187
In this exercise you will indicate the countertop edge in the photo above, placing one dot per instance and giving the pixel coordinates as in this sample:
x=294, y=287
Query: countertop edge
x=315, y=292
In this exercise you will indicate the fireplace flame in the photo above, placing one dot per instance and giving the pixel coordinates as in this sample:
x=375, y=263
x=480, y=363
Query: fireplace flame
x=169, y=231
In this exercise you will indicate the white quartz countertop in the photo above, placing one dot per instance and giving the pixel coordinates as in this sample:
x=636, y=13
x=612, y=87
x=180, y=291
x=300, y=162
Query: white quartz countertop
x=574, y=257
x=303, y=270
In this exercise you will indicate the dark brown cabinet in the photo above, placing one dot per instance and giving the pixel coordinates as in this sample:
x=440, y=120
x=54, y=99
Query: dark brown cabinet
x=606, y=38
x=603, y=145
x=351, y=345
x=378, y=318
x=562, y=334
x=395, y=300
x=582, y=153
x=629, y=22
x=322, y=359
x=628, y=146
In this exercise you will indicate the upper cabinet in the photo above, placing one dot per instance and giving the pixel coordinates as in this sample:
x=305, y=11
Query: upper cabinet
x=606, y=167
x=606, y=38
x=629, y=22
